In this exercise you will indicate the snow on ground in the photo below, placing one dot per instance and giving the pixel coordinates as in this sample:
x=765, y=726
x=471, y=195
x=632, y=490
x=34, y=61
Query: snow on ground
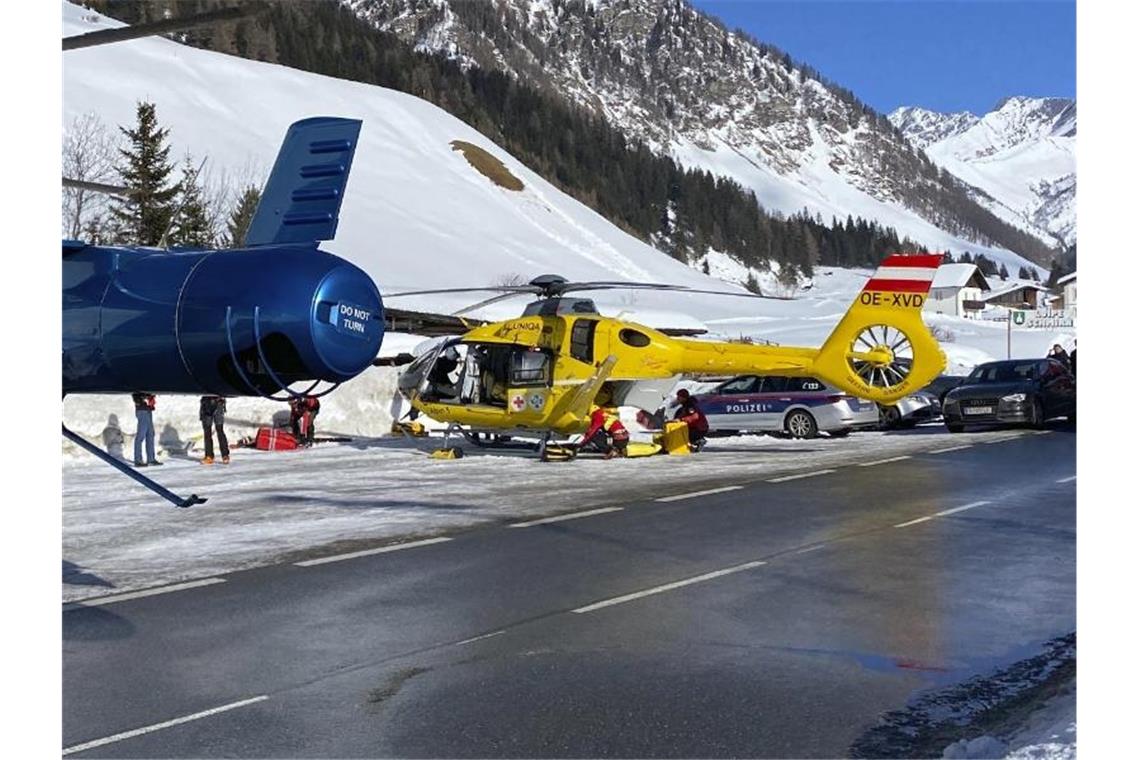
x=1048, y=733
x=267, y=506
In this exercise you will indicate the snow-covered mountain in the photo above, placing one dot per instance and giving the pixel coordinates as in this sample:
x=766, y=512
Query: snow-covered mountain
x=674, y=78
x=1019, y=157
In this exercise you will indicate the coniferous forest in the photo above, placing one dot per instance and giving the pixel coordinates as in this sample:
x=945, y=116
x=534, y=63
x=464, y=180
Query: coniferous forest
x=683, y=212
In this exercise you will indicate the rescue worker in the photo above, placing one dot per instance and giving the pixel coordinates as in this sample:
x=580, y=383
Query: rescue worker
x=303, y=412
x=614, y=439
x=212, y=413
x=144, y=414
x=691, y=414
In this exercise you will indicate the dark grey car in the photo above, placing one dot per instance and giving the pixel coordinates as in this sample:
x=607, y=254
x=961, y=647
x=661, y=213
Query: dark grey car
x=1020, y=391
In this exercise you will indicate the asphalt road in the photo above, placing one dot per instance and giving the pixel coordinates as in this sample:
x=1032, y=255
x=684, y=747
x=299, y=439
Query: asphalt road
x=779, y=618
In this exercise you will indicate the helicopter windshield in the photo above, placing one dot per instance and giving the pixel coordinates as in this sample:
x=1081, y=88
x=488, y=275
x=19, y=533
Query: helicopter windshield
x=473, y=373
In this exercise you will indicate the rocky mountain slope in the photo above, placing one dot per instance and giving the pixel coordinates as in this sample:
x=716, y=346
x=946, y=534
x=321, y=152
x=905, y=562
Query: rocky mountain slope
x=676, y=79
x=1019, y=159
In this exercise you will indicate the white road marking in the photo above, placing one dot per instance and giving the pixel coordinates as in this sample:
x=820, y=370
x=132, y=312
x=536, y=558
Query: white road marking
x=1069, y=479
x=563, y=518
x=1040, y=432
x=815, y=548
x=480, y=637
x=1003, y=439
x=915, y=522
x=943, y=513
x=695, y=494
x=668, y=587
x=112, y=599
x=160, y=726
x=369, y=552
x=797, y=476
x=884, y=461
x=952, y=448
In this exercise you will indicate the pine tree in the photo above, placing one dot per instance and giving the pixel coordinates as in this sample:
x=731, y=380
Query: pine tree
x=1023, y=273
x=142, y=217
x=1003, y=273
x=242, y=215
x=191, y=226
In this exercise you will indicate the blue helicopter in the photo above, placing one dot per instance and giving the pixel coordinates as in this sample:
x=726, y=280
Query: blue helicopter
x=250, y=321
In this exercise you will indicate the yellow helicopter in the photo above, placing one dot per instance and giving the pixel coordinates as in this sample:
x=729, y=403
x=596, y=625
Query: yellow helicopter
x=541, y=374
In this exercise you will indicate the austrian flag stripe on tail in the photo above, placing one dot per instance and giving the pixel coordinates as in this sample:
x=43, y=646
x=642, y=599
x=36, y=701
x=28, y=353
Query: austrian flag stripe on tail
x=905, y=274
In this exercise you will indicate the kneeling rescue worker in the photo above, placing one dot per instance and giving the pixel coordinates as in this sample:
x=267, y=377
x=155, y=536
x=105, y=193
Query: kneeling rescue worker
x=303, y=411
x=615, y=438
x=691, y=414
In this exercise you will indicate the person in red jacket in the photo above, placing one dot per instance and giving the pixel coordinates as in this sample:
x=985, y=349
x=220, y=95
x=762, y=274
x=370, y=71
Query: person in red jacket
x=691, y=414
x=615, y=438
x=303, y=411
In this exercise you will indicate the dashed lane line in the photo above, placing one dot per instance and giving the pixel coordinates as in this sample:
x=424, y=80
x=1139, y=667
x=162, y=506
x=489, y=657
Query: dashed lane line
x=943, y=513
x=952, y=448
x=668, y=587
x=480, y=637
x=101, y=601
x=159, y=726
x=563, y=518
x=888, y=460
x=1069, y=479
x=799, y=475
x=695, y=494
x=370, y=552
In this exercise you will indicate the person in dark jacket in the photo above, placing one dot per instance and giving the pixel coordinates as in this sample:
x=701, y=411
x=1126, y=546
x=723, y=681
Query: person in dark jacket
x=1073, y=358
x=691, y=414
x=1059, y=354
x=144, y=414
x=212, y=413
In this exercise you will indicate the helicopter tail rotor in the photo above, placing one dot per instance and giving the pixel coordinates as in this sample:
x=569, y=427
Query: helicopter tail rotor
x=882, y=350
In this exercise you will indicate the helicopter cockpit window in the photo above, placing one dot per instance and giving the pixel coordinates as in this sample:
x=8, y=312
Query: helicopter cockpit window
x=634, y=338
x=582, y=340
x=529, y=367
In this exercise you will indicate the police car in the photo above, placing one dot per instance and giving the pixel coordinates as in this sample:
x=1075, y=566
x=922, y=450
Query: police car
x=801, y=407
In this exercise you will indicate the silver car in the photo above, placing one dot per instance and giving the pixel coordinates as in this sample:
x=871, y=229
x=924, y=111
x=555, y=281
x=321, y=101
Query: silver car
x=801, y=407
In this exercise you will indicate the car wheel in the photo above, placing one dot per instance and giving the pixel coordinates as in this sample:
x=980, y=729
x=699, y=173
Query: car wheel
x=801, y=424
x=889, y=417
x=1037, y=415
x=955, y=428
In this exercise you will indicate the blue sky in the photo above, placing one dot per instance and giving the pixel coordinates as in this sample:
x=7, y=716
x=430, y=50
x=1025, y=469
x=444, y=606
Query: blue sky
x=946, y=55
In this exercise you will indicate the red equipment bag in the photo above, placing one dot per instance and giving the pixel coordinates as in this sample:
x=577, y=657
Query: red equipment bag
x=272, y=439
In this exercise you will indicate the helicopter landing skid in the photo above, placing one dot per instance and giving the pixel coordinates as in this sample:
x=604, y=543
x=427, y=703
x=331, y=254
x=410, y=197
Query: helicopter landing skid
x=165, y=493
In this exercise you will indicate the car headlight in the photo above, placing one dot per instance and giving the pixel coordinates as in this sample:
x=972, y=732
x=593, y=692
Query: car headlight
x=1014, y=398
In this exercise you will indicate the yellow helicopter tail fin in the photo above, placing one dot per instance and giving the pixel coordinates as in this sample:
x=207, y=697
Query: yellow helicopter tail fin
x=882, y=350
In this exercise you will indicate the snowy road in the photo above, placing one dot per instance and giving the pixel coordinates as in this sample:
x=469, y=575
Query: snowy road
x=752, y=614
x=268, y=507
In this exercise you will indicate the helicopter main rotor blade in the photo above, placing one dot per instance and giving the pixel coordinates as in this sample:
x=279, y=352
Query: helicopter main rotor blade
x=489, y=289
x=97, y=187
x=660, y=286
x=106, y=36
x=485, y=302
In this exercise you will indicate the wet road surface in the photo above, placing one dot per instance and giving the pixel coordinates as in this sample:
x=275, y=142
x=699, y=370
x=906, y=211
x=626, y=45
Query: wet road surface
x=776, y=618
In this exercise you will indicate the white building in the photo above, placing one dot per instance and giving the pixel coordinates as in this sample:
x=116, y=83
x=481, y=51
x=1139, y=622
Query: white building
x=953, y=286
x=1068, y=285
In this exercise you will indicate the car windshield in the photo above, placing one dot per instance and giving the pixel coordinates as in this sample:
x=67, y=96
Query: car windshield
x=1004, y=372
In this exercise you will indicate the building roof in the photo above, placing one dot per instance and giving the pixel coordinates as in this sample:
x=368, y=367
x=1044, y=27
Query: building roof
x=959, y=276
x=1013, y=289
x=1066, y=278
